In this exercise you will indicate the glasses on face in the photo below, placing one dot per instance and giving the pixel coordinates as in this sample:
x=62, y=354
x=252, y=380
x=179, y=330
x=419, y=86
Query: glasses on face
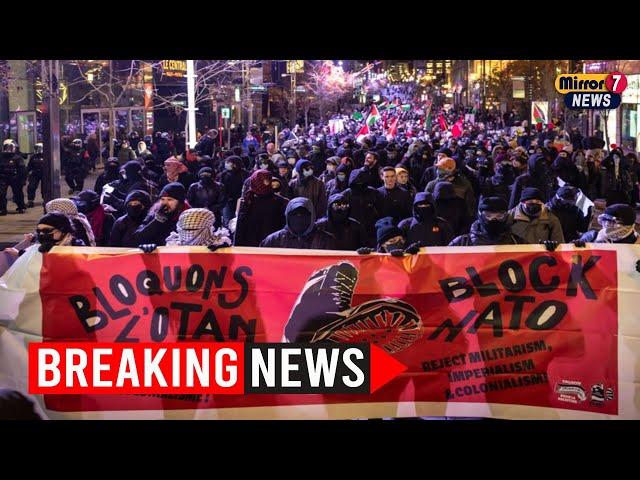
x=500, y=216
x=609, y=222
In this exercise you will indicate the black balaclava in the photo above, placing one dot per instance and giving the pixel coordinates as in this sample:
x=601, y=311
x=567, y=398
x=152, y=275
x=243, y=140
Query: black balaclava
x=133, y=169
x=493, y=226
x=86, y=201
x=338, y=215
x=299, y=221
x=424, y=209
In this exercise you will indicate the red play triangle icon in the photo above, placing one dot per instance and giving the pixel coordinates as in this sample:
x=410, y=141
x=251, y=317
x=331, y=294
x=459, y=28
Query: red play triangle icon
x=384, y=368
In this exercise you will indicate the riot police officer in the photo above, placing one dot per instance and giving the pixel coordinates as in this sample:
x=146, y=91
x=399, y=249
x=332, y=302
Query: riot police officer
x=34, y=172
x=12, y=174
x=75, y=169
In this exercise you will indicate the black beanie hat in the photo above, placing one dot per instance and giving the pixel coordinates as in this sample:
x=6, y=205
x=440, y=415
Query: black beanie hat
x=173, y=190
x=493, y=204
x=530, y=193
x=140, y=195
x=622, y=212
x=568, y=192
x=208, y=170
x=57, y=220
x=283, y=164
x=385, y=229
x=133, y=167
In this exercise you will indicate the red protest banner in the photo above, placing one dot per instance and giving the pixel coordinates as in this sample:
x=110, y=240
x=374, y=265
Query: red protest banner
x=524, y=328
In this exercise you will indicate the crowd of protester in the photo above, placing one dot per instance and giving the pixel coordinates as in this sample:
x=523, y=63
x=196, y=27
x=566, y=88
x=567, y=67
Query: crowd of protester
x=435, y=178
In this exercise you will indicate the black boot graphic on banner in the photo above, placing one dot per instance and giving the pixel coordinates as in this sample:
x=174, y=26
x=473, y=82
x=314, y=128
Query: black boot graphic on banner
x=323, y=312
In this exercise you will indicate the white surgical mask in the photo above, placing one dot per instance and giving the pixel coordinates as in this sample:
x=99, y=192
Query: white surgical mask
x=307, y=173
x=228, y=166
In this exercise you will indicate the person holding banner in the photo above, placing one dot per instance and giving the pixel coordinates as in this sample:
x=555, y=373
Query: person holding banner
x=137, y=206
x=162, y=218
x=196, y=227
x=56, y=229
x=563, y=205
x=618, y=226
x=533, y=221
x=348, y=233
x=493, y=226
x=425, y=228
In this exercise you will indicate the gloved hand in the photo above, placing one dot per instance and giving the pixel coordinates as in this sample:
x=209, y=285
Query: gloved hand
x=213, y=248
x=365, y=250
x=550, y=245
x=579, y=243
x=148, y=247
x=323, y=312
x=413, y=248
x=398, y=252
x=638, y=266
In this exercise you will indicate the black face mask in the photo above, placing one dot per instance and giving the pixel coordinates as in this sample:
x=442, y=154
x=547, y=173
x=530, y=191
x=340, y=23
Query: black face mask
x=206, y=179
x=358, y=187
x=424, y=212
x=112, y=170
x=532, y=210
x=494, y=227
x=299, y=223
x=134, y=211
x=45, y=239
x=339, y=216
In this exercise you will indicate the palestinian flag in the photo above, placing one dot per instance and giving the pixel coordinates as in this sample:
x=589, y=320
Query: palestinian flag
x=442, y=122
x=357, y=116
x=364, y=131
x=406, y=107
x=393, y=129
x=374, y=116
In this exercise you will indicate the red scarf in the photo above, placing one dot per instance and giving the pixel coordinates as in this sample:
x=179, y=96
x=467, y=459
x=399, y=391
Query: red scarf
x=96, y=220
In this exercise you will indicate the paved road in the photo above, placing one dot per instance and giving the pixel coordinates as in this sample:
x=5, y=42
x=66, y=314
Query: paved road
x=14, y=225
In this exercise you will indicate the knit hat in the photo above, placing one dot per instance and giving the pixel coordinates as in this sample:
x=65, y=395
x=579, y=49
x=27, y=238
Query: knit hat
x=141, y=196
x=568, y=192
x=493, y=204
x=57, y=220
x=257, y=184
x=283, y=164
x=385, y=229
x=174, y=190
x=530, y=193
x=133, y=168
x=208, y=170
x=446, y=163
x=622, y=213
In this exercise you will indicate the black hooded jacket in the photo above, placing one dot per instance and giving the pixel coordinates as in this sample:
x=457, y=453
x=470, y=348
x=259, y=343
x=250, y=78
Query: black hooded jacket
x=538, y=177
x=574, y=222
x=348, y=234
x=124, y=228
x=366, y=204
x=258, y=218
x=434, y=231
x=478, y=236
x=209, y=195
x=312, y=238
x=451, y=208
x=232, y=181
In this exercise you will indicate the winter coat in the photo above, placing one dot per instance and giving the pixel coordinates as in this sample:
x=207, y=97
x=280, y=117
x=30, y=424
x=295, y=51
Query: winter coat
x=366, y=206
x=311, y=188
x=156, y=229
x=477, y=236
x=463, y=189
x=396, y=203
x=209, y=196
x=312, y=238
x=431, y=232
x=259, y=218
x=123, y=232
x=347, y=235
x=571, y=218
x=537, y=177
x=544, y=227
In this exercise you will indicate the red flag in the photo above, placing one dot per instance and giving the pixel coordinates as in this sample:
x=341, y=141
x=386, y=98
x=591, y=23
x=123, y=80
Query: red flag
x=442, y=122
x=393, y=128
x=456, y=131
x=384, y=120
x=364, y=131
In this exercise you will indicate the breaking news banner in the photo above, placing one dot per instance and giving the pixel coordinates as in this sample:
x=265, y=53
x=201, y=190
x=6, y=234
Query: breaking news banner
x=510, y=332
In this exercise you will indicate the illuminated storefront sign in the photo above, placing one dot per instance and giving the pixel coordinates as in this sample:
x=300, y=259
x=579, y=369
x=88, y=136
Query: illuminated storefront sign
x=174, y=68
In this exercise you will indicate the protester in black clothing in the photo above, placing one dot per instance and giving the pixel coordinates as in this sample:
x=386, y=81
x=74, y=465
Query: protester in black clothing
x=99, y=216
x=261, y=211
x=207, y=193
x=563, y=205
x=366, y=203
x=131, y=180
x=300, y=230
x=425, y=227
x=499, y=185
x=111, y=174
x=232, y=179
x=538, y=176
x=492, y=227
x=162, y=217
x=348, y=233
x=451, y=207
x=308, y=186
x=370, y=170
x=56, y=229
x=341, y=182
x=137, y=206
x=396, y=201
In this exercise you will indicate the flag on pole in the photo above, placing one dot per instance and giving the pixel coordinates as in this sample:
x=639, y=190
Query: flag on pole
x=357, y=116
x=393, y=129
x=384, y=120
x=406, y=107
x=456, y=131
x=374, y=116
x=442, y=122
x=364, y=131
